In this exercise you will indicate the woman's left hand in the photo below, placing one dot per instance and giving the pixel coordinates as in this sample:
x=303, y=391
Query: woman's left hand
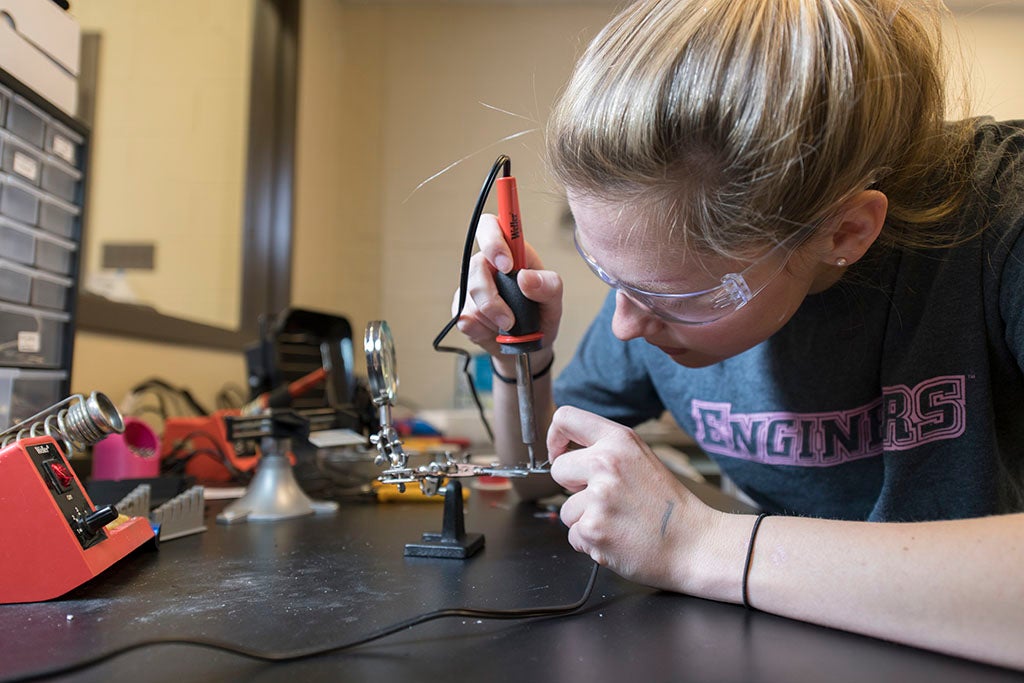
x=627, y=511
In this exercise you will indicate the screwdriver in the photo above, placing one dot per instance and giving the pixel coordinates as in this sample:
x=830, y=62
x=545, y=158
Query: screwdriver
x=525, y=335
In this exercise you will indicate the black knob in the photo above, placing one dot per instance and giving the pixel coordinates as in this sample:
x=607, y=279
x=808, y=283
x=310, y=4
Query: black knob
x=99, y=518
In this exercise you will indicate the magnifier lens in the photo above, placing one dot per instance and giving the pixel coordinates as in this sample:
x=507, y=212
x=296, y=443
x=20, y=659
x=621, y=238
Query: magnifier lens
x=382, y=373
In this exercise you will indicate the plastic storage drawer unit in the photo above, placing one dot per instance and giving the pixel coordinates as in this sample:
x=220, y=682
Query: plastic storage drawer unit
x=58, y=217
x=20, y=160
x=18, y=200
x=31, y=337
x=18, y=243
x=60, y=180
x=15, y=283
x=26, y=393
x=25, y=121
x=54, y=255
x=63, y=144
x=49, y=291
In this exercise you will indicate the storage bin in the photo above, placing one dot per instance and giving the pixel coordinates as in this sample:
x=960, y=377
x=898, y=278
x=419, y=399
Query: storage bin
x=63, y=143
x=54, y=255
x=31, y=337
x=60, y=180
x=25, y=121
x=18, y=200
x=20, y=160
x=58, y=217
x=15, y=283
x=26, y=393
x=50, y=292
x=17, y=243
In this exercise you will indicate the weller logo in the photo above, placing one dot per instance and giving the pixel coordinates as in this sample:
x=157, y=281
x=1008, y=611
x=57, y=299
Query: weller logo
x=515, y=227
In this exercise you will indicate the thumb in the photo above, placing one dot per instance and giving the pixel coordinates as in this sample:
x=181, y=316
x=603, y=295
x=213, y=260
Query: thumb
x=542, y=286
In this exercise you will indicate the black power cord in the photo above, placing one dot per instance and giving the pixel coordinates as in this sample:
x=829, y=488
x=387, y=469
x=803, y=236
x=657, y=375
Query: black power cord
x=502, y=165
x=309, y=653
x=163, y=390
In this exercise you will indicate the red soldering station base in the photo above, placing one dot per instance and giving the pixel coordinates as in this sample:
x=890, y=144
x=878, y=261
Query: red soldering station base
x=52, y=539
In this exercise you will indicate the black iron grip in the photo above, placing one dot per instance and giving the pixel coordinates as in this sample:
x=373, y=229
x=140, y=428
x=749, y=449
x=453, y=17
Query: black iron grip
x=526, y=312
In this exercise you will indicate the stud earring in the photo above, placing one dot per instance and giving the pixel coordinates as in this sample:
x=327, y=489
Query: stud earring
x=841, y=261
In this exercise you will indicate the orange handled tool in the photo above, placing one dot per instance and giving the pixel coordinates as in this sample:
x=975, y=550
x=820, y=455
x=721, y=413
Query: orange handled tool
x=525, y=335
x=283, y=395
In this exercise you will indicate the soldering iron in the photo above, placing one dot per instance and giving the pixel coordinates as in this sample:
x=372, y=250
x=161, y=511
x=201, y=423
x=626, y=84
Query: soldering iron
x=524, y=336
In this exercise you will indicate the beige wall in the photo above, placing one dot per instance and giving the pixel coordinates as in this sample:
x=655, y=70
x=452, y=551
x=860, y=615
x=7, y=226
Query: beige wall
x=113, y=365
x=443, y=72
x=989, y=39
x=390, y=95
x=167, y=162
x=339, y=165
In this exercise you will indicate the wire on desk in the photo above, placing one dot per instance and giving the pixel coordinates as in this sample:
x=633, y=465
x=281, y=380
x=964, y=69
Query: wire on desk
x=296, y=655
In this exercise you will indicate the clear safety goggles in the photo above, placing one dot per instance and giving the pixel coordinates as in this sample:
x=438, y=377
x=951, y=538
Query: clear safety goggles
x=734, y=291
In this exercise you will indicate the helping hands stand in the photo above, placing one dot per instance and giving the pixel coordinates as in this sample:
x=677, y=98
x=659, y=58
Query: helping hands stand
x=453, y=541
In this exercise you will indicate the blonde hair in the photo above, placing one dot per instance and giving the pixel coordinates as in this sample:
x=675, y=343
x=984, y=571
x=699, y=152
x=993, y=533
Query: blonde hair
x=743, y=119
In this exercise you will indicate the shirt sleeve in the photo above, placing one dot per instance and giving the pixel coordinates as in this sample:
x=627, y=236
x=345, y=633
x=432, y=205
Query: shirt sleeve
x=609, y=377
x=1011, y=299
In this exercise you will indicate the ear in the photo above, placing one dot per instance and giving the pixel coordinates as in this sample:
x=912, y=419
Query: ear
x=861, y=220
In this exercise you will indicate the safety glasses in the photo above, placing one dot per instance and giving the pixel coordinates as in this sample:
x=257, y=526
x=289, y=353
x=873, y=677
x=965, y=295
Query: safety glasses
x=706, y=306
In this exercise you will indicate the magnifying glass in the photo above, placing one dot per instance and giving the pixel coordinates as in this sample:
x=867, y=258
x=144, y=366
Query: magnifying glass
x=383, y=379
x=381, y=367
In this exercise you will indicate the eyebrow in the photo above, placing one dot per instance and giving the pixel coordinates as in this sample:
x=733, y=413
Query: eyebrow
x=656, y=286
x=650, y=285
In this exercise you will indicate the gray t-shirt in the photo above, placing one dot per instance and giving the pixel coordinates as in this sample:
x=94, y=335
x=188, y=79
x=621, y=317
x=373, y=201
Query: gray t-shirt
x=895, y=395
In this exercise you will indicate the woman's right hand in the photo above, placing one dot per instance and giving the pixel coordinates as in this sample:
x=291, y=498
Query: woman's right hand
x=485, y=312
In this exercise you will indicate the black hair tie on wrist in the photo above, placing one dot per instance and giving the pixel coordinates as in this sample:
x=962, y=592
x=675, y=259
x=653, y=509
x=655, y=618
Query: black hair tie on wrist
x=511, y=380
x=750, y=555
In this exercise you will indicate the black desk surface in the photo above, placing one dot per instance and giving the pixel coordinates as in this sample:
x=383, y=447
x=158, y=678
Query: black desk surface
x=318, y=581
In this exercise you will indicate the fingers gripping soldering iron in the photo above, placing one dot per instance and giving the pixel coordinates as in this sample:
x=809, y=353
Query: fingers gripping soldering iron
x=524, y=336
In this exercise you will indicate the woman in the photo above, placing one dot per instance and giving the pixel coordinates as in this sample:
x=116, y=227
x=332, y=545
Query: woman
x=823, y=281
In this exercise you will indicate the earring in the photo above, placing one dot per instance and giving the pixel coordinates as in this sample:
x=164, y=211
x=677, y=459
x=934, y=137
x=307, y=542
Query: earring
x=841, y=261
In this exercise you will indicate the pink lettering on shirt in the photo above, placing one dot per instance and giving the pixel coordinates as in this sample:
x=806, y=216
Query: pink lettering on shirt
x=903, y=418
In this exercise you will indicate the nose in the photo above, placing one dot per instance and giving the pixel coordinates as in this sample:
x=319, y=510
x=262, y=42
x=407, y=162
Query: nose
x=633, y=321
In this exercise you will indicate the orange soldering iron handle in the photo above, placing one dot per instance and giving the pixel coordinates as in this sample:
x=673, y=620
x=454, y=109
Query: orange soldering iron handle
x=525, y=334
x=306, y=382
x=510, y=221
x=282, y=395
